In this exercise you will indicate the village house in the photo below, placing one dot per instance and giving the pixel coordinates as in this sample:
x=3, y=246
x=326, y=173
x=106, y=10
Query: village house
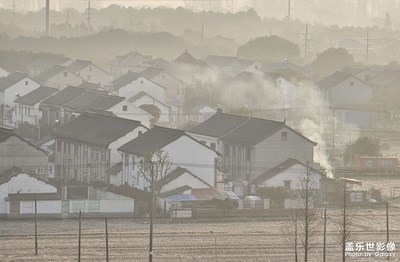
x=89, y=72
x=17, y=152
x=86, y=147
x=132, y=61
x=59, y=77
x=349, y=97
x=133, y=83
x=190, y=69
x=174, y=87
x=27, y=106
x=182, y=150
x=295, y=177
x=20, y=189
x=249, y=146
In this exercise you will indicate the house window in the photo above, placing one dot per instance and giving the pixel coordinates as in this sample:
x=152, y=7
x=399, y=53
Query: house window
x=248, y=154
x=65, y=74
x=284, y=136
x=141, y=81
x=90, y=69
x=140, y=132
x=213, y=146
x=286, y=184
x=124, y=108
x=26, y=82
x=352, y=83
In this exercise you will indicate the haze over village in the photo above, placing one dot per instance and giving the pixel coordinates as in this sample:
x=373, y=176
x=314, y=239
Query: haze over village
x=199, y=130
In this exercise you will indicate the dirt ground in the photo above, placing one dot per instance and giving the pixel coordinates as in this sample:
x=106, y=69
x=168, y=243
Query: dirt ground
x=235, y=241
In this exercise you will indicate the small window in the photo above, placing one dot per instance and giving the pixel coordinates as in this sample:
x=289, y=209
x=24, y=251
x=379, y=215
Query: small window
x=141, y=81
x=65, y=74
x=124, y=108
x=140, y=132
x=213, y=146
x=352, y=83
x=284, y=136
x=90, y=69
x=286, y=184
x=26, y=83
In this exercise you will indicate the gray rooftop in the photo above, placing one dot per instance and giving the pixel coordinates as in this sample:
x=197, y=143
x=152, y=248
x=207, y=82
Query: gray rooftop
x=36, y=95
x=11, y=79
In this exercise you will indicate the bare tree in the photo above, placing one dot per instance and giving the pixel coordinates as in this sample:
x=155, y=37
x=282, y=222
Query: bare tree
x=152, y=168
x=305, y=223
x=344, y=223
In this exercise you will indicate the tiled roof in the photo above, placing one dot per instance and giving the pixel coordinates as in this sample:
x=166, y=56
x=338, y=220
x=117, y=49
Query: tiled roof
x=334, y=79
x=64, y=96
x=152, y=140
x=36, y=95
x=11, y=79
x=125, y=80
x=96, y=129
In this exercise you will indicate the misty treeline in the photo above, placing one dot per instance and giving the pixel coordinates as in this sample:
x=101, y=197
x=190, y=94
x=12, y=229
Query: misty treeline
x=167, y=32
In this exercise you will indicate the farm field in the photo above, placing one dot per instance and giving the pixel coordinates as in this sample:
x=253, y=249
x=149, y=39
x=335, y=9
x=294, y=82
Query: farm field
x=236, y=241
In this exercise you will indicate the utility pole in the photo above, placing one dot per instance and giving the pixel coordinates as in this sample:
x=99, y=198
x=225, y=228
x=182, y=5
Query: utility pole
x=333, y=146
x=387, y=224
x=306, y=217
x=151, y=214
x=202, y=31
x=367, y=54
x=88, y=14
x=36, y=233
x=289, y=10
x=107, y=240
x=47, y=17
x=79, y=240
x=344, y=223
x=324, y=255
x=13, y=11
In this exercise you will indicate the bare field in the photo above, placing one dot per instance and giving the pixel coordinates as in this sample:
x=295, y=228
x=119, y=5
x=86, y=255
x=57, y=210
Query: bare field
x=236, y=241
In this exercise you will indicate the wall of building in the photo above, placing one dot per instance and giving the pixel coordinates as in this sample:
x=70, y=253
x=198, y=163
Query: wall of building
x=61, y=81
x=22, y=88
x=142, y=84
x=43, y=207
x=93, y=74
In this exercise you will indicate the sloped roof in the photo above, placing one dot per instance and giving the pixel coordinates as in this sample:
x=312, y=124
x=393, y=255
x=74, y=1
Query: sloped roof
x=218, y=125
x=151, y=72
x=152, y=140
x=174, y=174
x=6, y=175
x=280, y=168
x=132, y=59
x=78, y=65
x=36, y=95
x=94, y=99
x=124, y=80
x=253, y=131
x=142, y=94
x=186, y=58
x=96, y=129
x=55, y=70
x=334, y=79
x=159, y=63
x=11, y=79
x=63, y=96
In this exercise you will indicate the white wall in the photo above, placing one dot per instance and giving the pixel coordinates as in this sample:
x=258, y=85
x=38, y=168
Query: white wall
x=4, y=206
x=60, y=81
x=296, y=174
x=3, y=72
x=164, y=109
x=346, y=94
x=208, y=140
x=107, y=206
x=115, y=156
x=94, y=74
x=132, y=113
x=22, y=88
x=43, y=207
x=185, y=179
x=142, y=84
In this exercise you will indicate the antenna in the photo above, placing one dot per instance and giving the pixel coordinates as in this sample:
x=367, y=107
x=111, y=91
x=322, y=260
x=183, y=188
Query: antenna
x=89, y=17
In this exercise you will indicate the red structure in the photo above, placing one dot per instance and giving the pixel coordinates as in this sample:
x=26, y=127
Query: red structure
x=366, y=163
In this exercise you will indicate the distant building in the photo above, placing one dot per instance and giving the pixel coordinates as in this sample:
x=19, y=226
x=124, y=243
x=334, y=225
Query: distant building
x=86, y=147
x=59, y=77
x=45, y=62
x=132, y=61
x=89, y=72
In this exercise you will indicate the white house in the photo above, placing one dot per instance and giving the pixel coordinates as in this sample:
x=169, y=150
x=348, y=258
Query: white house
x=126, y=109
x=132, y=61
x=27, y=106
x=89, y=72
x=59, y=77
x=15, y=84
x=18, y=191
x=89, y=142
x=133, y=83
x=174, y=87
x=183, y=150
